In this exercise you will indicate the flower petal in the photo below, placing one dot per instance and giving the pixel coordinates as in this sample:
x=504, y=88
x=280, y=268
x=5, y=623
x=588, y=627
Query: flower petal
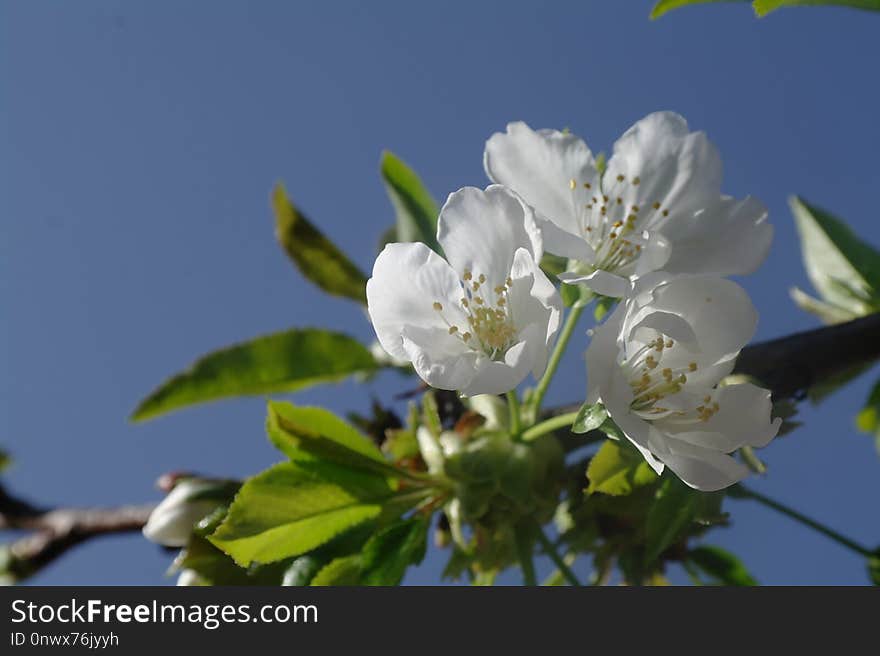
x=728, y=238
x=600, y=281
x=534, y=301
x=437, y=359
x=702, y=468
x=678, y=169
x=602, y=354
x=497, y=377
x=743, y=418
x=480, y=231
x=719, y=311
x=407, y=280
x=539, y=166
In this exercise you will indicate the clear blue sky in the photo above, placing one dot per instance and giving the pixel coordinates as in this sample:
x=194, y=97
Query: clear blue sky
x=139, y=142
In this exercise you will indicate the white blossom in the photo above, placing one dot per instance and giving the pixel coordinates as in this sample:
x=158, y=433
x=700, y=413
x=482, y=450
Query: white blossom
x=658, y=205
x=171, y=522
x=656, y=363
x=480, y=320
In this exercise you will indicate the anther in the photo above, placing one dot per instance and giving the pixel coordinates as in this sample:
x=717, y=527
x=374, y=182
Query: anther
x=438, y=306
x=572, y=184
x=453, y=330
x=692, y=366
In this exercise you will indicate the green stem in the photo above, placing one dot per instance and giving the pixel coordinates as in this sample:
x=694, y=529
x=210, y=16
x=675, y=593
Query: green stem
x=550, y=550
x=515, y=416
x=570, y=322
x=524, y=552
x=549, y=425
x=842, y=540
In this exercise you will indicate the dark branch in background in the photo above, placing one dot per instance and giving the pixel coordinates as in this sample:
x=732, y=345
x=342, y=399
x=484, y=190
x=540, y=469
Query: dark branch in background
x=789, y=366
x=53, y=531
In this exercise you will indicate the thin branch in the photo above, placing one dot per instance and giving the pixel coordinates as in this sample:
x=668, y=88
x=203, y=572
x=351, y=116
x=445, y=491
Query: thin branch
x=791, y=365
x=52, y=532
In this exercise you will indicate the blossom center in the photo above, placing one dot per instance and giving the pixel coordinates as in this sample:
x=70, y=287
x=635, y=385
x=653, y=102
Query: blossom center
x=490, y=327
x=614, y=229
x=651, y=382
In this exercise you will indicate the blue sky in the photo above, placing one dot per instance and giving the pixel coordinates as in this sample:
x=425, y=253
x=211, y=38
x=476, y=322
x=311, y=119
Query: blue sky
x=139, y=142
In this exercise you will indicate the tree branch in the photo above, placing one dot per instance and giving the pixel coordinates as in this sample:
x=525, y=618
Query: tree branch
x=54, y=531
x=789, y=366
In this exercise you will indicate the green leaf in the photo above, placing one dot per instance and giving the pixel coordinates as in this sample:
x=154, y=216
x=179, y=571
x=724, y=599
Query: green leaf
x=721, y=565
x=868, y=419
x=317, y=258
x=675, y=509
x=617, y=470
x=391, y=550
x=305, y=434
x=843, y=269
x=874, y=568
x=341, y=571
x=282, y=362
x=553, y=265
x=764, y=7
x=611, y=429
x=577, y=295
x=431, y=414
x=589, y=417
x=297, y=429
x=216, y=568
x=604, y=305
x=416, y=210
x=827, y=312
x=292, y=508
x=302, y=570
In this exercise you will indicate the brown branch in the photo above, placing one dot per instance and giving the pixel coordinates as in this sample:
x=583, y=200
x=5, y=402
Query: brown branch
x=789, y=366
x=54, y=531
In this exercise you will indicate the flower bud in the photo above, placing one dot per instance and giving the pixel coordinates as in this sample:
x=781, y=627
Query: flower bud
x=171, y=523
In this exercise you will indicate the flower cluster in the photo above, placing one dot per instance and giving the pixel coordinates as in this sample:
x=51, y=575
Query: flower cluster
x=651, y=230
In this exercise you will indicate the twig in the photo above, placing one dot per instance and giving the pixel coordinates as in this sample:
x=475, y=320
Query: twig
x=54, y=531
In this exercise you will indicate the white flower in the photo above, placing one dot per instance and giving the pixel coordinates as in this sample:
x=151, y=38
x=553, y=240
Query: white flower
x=658, y=205
x=171, y=522
x=480, y=321
x=656, y=363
